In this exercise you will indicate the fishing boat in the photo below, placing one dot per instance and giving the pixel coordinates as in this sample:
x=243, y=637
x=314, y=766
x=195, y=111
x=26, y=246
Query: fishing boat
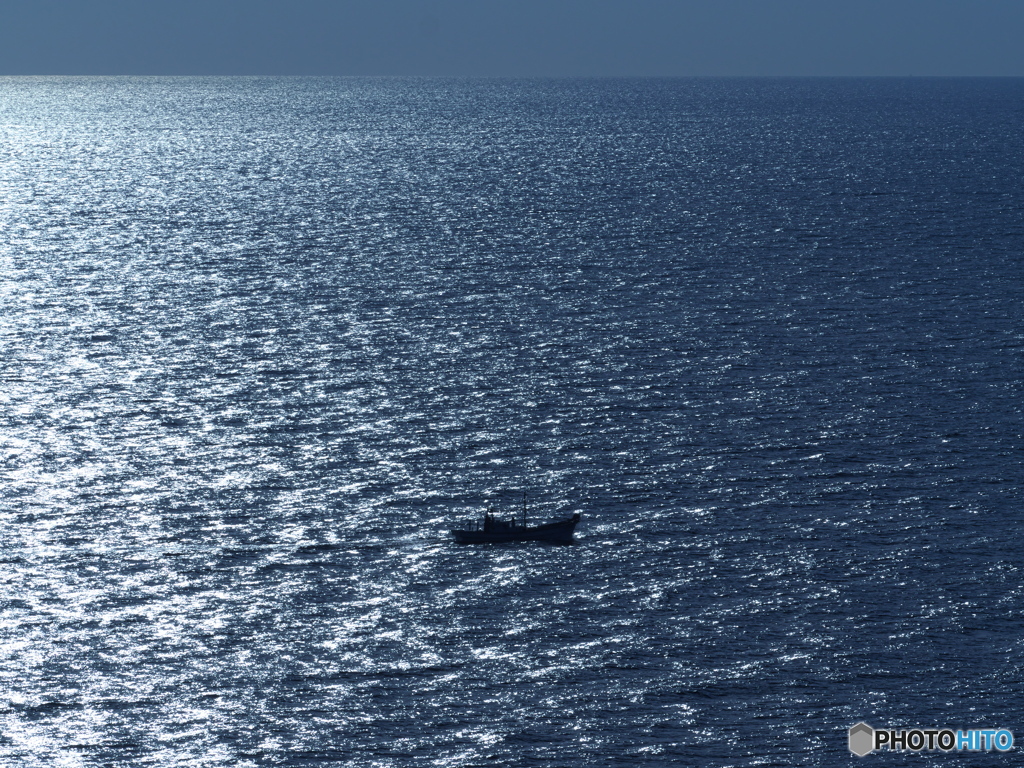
x=492, y=529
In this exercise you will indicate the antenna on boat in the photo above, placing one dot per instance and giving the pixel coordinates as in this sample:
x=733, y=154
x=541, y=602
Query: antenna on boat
x=524, y=509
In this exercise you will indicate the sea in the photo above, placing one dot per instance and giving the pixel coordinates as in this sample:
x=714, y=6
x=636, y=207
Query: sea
x=265, y=341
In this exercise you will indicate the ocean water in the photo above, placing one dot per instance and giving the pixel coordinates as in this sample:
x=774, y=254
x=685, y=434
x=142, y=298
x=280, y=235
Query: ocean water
x=266, y=340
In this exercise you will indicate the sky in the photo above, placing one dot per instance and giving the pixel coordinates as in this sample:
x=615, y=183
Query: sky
x=513, y=38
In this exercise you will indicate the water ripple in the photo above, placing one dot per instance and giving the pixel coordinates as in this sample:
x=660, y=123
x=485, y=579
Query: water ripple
x=266, y=340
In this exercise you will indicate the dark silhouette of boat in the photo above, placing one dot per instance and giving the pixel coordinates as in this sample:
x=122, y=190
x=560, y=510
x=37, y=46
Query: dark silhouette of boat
x=494, y=530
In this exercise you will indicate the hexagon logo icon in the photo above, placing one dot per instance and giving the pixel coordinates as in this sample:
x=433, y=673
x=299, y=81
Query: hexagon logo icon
x=862, y=739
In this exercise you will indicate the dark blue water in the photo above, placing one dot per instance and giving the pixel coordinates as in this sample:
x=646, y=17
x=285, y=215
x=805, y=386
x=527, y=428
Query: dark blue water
x=265, y=340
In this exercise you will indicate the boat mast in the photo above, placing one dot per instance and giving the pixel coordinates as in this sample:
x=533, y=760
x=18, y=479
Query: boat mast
x=524, y=509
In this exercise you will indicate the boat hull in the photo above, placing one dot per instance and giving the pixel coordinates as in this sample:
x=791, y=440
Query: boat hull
x=558, y=533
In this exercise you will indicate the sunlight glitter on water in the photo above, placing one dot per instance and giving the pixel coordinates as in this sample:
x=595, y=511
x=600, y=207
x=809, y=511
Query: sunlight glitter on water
x=256, y=373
